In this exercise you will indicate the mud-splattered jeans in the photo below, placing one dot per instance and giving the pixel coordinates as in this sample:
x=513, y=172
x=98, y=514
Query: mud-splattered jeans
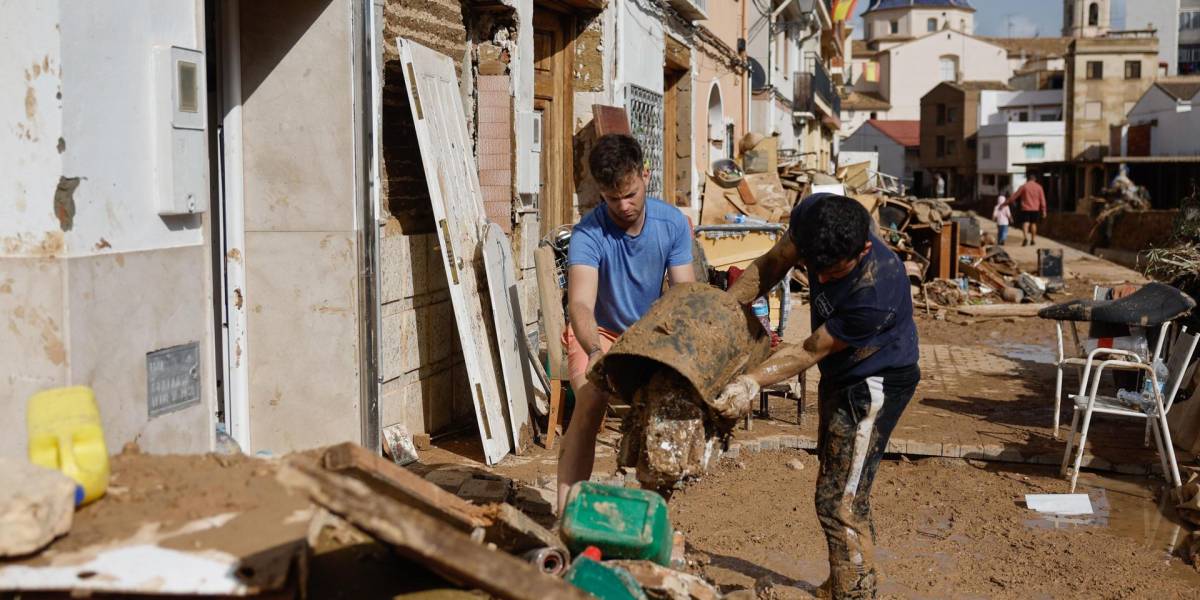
x=856, y=421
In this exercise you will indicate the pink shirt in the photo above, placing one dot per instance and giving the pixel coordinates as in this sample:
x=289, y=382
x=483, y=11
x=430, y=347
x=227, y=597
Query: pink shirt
x=1032, y=197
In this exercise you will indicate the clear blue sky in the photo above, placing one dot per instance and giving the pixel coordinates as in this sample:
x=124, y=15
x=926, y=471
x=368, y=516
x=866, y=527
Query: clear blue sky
x=1018, y=18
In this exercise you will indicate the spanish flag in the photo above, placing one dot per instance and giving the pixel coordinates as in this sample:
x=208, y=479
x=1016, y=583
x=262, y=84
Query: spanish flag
x=843, y=9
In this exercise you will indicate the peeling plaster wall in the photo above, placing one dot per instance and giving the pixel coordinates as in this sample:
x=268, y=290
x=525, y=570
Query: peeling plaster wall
x=639, y=35
x=91, y=278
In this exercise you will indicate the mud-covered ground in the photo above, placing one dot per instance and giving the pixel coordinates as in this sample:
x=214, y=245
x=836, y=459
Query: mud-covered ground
x=947, y=528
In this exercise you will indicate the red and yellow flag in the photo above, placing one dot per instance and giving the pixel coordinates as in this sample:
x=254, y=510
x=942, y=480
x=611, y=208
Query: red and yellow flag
x=843, y=9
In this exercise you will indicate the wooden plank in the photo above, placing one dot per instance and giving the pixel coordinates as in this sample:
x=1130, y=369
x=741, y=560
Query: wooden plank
x=509, y=346
x=554, y=323
x=457, y=202
x=502, y=524
x=404, y=486
x=424, y=539
x=1002, y=310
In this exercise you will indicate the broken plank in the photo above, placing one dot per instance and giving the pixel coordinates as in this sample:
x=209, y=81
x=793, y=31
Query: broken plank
x=1002, y=310
x=515, y=532
x=403, y=486
x=425, y=539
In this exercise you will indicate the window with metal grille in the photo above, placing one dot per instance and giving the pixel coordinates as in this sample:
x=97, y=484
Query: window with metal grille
x=646, y=119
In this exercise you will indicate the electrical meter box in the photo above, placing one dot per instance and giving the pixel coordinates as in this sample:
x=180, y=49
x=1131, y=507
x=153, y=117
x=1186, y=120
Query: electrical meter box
x=180, y=144
x=529, y=158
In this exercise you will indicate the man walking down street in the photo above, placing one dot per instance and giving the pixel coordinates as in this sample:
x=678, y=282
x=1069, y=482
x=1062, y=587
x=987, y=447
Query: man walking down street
x=864, y=342
x=618, y=255
x=1030, y=199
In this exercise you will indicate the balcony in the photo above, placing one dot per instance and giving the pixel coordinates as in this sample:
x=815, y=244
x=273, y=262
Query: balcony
x=692, y=10
x=815, y=95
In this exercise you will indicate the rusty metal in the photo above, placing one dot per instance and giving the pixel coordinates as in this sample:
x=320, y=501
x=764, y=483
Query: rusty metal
x=695, y=329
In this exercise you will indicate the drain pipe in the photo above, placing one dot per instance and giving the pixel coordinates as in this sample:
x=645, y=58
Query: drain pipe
x=365, y=55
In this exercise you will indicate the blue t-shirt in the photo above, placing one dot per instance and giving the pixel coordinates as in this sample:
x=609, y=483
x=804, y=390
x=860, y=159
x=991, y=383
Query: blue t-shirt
x=631, y=268
x=870, y=310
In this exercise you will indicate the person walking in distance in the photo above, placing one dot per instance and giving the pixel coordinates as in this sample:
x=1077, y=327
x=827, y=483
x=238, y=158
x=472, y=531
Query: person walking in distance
x=1002, y=216
x=939, y=185
x=1030, y=200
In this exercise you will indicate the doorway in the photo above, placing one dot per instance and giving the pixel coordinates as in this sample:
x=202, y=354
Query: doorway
x=552, y=98
x=677, y=124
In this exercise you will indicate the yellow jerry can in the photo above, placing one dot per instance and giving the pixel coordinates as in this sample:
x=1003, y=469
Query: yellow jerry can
x=65, y=434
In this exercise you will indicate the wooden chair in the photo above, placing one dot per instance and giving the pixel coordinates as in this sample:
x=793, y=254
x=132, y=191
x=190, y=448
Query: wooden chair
x=553, y=323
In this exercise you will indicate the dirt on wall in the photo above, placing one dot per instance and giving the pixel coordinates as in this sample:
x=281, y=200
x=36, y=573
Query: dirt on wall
x=589, y=55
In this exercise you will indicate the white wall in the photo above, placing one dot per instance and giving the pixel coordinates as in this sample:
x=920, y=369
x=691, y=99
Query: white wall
x=1178, y=130
x=912, y=68
x=1163, y=16
x=31, y=119
x=1007, y=145
x=891, y=155
x=108, y=121
x=915, y=22
x=640, y=47
x=996, y=106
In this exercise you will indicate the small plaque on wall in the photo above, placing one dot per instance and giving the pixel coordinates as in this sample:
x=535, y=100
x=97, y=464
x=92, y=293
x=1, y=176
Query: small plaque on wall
x=173, y=378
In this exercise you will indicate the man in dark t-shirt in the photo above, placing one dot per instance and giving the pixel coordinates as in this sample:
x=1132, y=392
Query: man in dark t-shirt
x=864, y=342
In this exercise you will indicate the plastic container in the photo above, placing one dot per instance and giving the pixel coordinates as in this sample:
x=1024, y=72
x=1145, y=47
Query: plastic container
x=65, y=434
x=602, y=581
x=621, y=522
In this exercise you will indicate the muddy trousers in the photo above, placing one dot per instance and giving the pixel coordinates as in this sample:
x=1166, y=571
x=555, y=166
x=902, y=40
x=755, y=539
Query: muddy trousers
x=856, y=419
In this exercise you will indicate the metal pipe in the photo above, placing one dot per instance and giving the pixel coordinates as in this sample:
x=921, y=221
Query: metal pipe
x=364, y=54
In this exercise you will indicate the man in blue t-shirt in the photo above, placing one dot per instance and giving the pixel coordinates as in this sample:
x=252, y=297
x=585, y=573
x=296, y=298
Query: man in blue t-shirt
x=618, y=255
x=864, y=342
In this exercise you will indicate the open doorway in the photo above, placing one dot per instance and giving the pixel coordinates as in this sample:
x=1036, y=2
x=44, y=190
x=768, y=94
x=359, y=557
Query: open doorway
x=553, y=93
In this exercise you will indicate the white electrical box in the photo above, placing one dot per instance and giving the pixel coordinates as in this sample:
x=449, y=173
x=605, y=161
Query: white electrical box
x=180, y=145
x=529, y=160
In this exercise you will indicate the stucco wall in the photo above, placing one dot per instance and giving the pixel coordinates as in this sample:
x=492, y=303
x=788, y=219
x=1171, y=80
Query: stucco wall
x=912, y=68
x=91, y=277
x=1177, y=129
x=1114, y=94
x=301, y=245
x=891, y=154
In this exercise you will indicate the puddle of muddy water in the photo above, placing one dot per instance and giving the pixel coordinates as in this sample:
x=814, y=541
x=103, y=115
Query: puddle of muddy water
x=1042, y=354
x=1125, y=508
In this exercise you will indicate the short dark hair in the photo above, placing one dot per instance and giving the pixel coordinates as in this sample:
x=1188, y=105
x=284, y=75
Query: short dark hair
x=832, y=229
x=615, y=157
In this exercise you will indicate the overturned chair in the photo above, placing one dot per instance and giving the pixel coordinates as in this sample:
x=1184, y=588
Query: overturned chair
x=1154, y=306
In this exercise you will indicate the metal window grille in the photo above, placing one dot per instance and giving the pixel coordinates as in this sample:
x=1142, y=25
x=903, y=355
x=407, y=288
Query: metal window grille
x=646, y=120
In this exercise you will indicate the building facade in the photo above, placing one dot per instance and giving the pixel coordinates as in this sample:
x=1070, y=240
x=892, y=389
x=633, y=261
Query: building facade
x=898, y=145
x=1017, y=128
x=949, y=122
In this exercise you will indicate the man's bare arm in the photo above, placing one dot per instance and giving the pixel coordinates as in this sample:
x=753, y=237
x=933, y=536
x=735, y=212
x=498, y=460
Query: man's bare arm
x=681, y=274
x=583, y=282
x=791, y=360
x=766, y=271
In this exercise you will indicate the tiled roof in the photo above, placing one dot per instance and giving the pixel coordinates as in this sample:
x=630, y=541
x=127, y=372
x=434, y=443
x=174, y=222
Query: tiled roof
x=978, y=86
x=864, y=101
x=1180, y=88
x=887, y=4
x=1038, y=47
x=905, y=133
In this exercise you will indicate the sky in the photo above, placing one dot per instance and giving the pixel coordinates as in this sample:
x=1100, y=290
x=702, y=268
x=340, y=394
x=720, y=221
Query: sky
x=1015, y=18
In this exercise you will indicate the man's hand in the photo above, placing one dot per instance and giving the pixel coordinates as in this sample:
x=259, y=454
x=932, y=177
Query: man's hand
x=735, y=400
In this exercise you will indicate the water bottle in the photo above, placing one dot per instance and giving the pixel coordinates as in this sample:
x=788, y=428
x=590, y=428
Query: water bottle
x=740, y=219
x=762, y=311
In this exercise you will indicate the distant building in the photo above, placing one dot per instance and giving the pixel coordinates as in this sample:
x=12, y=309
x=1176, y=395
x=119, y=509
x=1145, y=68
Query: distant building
x=1105, y=78
x=1189, y=37
x=898, y=144
x=949, y=123
x=1160, y=142
x=1017, y=128
x=1162, y=18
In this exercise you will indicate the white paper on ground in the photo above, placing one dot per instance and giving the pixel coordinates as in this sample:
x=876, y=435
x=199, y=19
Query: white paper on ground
x=1060, y=504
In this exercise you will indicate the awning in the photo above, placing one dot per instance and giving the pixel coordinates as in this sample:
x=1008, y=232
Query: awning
x=1159, y=160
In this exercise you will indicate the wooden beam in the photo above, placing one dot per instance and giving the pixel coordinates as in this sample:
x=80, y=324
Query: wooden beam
x=422, y=538
x=1002, y=310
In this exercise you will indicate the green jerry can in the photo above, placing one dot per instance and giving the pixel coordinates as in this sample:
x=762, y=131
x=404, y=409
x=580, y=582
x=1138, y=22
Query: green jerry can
x=602, y=581
x=623, y=523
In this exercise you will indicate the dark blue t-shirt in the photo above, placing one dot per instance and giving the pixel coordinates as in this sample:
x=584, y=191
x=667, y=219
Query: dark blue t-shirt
x=870, y=310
